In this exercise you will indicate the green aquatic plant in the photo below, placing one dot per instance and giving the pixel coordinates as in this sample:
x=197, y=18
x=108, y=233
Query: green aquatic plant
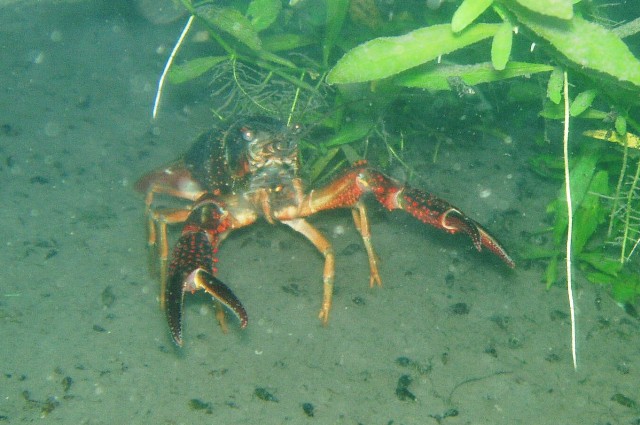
x=348, y=68
x=309, y=45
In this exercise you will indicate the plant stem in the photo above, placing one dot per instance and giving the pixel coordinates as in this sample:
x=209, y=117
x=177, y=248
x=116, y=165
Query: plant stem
x=616, y=197
x=567, y=183
x=167, y=66
x=627, y=215
x=630, y=28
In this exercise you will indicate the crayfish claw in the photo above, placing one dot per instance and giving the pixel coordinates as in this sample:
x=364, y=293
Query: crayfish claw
x=222, y=294
x=200, y=279
x=173, y=304
x=453, y=220
x=190, y=270
x=480, y=237
x=494, y=246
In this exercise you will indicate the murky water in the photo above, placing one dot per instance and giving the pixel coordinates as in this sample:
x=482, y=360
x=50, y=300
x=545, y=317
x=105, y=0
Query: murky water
x=452, y=337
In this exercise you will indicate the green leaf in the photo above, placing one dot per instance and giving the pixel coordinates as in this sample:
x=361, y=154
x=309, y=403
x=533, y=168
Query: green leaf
x=548, y=165
x=626, y=288
x=600, y=278
x=580, y=174
x=621, y=125
x=272, y=57
x=336, y=14
x=582, y=101
x=232, y=22
x=263, y=13
x=586, y=44
x=629, y=139
x=562, y=9
x=555, y=84
x=321, y=164
x=551, y=273
x=289, y=41
x=468, y=11
x=556, y=112
x=601, y=263
x=350, y=132
x=387, y=56
x=501, y=46
x=590, y=214
x=436, y=77
x=192, y=69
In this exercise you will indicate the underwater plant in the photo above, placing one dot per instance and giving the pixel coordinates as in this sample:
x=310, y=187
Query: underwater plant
x=342, y=66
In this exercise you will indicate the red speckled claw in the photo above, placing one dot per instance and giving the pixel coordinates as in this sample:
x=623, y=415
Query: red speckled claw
x=439, y=213
x=431, y=210
x=454, y=221
x=190, y=270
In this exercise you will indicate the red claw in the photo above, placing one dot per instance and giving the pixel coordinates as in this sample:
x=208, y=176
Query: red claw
x=192, y=266
x=441, y=214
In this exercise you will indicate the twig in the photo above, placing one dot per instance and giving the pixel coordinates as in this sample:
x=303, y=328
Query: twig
x=567, y=183
x=294, y=103
x=630, y=28
x=167, y=66
x=616, y=198
x=627, y=217
x=474, y=379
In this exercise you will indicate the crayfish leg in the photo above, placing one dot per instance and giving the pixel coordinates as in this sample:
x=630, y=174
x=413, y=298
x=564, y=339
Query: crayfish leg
x=324, y=246
x=361, y=221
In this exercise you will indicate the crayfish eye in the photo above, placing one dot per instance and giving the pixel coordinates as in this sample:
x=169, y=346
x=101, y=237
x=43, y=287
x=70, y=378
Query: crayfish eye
x=286, y=145
x=247, y=134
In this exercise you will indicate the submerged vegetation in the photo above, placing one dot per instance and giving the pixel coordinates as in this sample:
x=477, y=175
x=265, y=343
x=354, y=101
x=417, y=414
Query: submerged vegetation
x=352, y=70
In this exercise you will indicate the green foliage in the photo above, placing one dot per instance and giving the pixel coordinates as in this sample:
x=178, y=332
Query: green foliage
x=343, y=66
x=554, y=86
x=562, y=9
x=586, y=44
x=582, y=102
x=501, y=46
x=468, y=12
x=438, y=77
x=588, y=184
x=263, y=13
x=194, y=68
x=232, y=22
x=387, y=56
x=336, y=14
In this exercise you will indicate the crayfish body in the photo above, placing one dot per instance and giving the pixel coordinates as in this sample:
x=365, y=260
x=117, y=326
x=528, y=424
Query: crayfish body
x=250, y=170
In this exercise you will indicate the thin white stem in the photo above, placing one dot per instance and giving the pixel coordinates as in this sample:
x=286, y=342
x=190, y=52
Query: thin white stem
x=567, y=184
x=167, y=66
x=635, y=245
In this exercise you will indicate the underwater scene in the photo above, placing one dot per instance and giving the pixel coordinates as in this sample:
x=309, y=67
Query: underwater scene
x=320, y=212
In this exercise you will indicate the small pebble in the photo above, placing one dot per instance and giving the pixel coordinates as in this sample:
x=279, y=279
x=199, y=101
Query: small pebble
x=264, y=394
x=460, y=309
x=485, y=193
x=308, y=409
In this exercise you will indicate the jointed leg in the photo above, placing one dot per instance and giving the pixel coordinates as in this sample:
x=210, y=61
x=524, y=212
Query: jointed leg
x=158, y=241
x=347, y=190
x=362, y=224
